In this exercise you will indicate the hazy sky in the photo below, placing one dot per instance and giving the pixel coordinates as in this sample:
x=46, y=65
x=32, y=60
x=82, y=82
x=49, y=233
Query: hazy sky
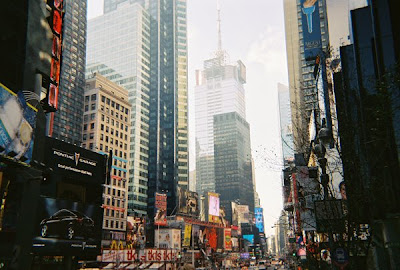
x=252, y=31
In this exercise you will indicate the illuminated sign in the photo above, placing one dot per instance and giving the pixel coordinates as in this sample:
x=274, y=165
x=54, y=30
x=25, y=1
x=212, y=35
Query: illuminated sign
x=160, y=217
x=311, y=28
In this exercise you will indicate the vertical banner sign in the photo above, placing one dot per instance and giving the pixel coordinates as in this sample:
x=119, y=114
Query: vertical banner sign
x=227, y=242
x=160, y=208
x=311, y=28
x=259, y=219
x=187, y=235
x=56, y=22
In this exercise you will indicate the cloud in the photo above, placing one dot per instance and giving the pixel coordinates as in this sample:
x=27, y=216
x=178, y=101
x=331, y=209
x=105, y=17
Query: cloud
x=269, y=51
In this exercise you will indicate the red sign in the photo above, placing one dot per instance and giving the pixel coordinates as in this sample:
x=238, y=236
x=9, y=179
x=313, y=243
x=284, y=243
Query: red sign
x=160, y=207
x=146, y=255
x=227, y=239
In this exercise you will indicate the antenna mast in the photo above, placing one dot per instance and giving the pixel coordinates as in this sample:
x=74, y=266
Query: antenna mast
x=219, y=27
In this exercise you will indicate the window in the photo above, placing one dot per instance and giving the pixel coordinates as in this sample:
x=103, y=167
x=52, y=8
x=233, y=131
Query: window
x=92, y=116
x=91, y=136
x=85, y=127
x=102, y=127
x=108, y=101
x=85, y=118
x=103, y=98
x=112, y=104
x=101, y=136
x=91, y=146
x=93, y=106
x=93, y=97
x=92, y=126
x=86, y=108
x=84, y=137
x=102, y=117
x=101, y=147
x=86, y=98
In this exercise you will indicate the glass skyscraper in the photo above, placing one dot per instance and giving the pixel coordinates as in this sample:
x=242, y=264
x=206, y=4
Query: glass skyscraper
x=66, y=123
x=118, y=48
x=142, y=45
x=219, y=89
x=232, y=161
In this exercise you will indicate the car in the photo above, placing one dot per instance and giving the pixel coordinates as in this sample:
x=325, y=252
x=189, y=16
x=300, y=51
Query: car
x=262, y=265
x=67, y=224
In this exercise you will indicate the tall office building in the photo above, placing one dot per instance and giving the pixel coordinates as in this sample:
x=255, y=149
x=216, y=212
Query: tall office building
x=106, y=128
x=232, y=161
x=302, y=85
x=118, y=48
x=219, y=89
x=285, y=123
x=142, y=45
x=66, y=123
x=168, y=144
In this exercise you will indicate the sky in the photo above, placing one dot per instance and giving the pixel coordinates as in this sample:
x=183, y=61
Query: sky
x=253, y=32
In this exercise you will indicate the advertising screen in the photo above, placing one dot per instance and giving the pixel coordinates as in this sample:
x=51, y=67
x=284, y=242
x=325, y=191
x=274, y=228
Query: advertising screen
x=213, y=207
x=17, y=126
x=259, y=219
x=188, y=203
x=67, y=227
x=160, y=217
x=249, y=237
x=311, y=28
x=168, y=238
x=243, y=213
x=69, y=216
x=136, y=232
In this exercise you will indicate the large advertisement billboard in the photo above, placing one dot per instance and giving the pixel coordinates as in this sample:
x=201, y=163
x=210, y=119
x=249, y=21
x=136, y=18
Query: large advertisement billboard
x=67, y=227
x=311, y=28
x=213, y=207
x=259, y=219
x=188, y=203
x=69, y=216
x=227, y=239
x=160, y=217
x=243, y=214
x=168, y=238
x=17, y=126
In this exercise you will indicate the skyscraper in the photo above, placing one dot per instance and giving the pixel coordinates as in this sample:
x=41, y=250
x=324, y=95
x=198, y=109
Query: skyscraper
x=142, y=45
x=119, y=49
x=168, y=143
x=232, y=161
x=302, y=84
x=66, y=123
x=219, y=89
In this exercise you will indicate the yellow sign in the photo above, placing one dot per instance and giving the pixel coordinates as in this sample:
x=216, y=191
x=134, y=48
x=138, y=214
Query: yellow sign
x=187, y=235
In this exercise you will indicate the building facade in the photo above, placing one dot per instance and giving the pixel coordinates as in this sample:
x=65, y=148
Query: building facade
x=219, y=89
x=285, y=119
x=66, y=123
x=128, y=65
x=232, y=161
x=106, y=130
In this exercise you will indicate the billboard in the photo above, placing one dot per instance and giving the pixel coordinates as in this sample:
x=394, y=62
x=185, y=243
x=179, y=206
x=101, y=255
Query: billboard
x=168, y=238
x=17, y=126
x=188, y=203
x=243, y=214
x=249, y=237
x=259, y=219
x=311, y=28
x=160, y=217
x=67, y=227
x=69, y=217
x=227, y=239
x=187, y=235
x=136, y=232
x=213, y=207
x=235, y=214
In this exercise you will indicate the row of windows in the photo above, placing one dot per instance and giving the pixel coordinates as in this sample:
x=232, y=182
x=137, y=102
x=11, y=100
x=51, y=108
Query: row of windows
x=114, y=105
x=114, y=213
x=117, y=115
x=110, y=224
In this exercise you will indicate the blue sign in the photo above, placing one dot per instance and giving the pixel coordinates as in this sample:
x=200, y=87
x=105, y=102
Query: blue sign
x=249, y=237
x=259, y=219
x=17, y=126
x=311, y=28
